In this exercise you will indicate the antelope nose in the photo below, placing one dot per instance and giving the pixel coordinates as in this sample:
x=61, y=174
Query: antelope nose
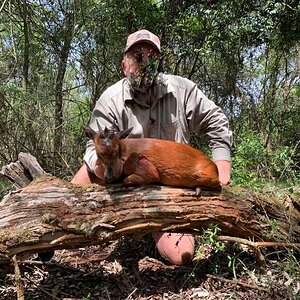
x=109, y=175
x=109, y=180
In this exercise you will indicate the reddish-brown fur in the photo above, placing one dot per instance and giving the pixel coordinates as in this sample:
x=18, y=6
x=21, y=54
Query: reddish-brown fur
x=149, y=161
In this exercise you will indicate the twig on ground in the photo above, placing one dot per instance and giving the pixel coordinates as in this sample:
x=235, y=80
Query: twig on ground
x=129, y=296
x=237, y=282
x=19, y=283
x=257, y=245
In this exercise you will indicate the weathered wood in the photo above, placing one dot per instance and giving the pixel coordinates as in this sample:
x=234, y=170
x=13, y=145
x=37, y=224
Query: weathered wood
x=51, y=214
x=23, y=171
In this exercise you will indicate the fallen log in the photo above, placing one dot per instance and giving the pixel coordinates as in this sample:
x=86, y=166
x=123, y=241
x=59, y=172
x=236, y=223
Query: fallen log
x=51, y=214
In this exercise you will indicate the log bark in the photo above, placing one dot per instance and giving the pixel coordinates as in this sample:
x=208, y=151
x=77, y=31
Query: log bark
x=23, y=171
x=51, y=214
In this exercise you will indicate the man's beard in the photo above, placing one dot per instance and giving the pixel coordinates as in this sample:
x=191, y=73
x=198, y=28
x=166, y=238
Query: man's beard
x=145, y=78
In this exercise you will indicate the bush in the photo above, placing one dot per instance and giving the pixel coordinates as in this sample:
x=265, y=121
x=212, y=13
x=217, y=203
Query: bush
x=253, y=163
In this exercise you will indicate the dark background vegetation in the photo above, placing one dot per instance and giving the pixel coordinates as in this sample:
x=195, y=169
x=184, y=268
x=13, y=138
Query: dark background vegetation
x=57, y=57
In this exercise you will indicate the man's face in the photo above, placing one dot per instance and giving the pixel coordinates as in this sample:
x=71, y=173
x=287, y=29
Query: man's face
x=140, y=66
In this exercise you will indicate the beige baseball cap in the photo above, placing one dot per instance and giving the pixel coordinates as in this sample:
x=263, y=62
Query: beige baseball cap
x=142, y=36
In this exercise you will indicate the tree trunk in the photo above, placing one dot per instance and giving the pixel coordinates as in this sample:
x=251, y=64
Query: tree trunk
x=51, y=214
x=24, y=13
x=68, y=32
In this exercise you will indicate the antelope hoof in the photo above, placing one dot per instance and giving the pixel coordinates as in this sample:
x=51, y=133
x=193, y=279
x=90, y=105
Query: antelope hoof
x=198, y=191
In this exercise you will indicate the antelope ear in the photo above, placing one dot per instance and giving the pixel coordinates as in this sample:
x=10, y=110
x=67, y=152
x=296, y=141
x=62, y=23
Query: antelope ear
x=90, y=133
x=124, y=133
x=98, y=125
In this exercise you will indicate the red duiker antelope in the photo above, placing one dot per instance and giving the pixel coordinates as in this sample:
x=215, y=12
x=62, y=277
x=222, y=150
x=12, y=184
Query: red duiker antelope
x=149, y=161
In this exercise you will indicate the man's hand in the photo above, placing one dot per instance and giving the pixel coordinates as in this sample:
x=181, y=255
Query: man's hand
x=224, y=171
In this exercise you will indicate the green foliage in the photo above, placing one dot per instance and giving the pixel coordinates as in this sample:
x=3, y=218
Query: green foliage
x=87, y=297
x=291, y=264
x=224, y=255
x=254, y=163
x=235, y=262
x=210, y=236
x=283, y=267
x=248, y=160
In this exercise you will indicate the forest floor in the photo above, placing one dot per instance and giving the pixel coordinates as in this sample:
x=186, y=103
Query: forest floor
x=130, y=269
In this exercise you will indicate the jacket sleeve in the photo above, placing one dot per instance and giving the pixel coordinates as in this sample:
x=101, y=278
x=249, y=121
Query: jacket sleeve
x=205, y=117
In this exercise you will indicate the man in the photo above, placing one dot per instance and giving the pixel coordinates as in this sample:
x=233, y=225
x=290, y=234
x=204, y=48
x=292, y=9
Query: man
x=161, y=106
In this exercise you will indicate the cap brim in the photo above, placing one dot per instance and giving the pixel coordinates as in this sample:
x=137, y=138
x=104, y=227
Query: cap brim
x=142, y=41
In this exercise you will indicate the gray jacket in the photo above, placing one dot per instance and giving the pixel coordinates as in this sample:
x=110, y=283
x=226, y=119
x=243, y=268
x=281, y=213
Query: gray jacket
x=169, y=111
